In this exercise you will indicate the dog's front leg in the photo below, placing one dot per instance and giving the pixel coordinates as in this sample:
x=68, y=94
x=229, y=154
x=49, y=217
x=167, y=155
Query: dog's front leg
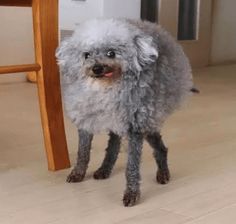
x=112, y=152
x=79, y=170
x=132, y=192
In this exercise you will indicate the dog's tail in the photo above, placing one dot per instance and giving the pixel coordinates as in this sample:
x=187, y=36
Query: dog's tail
x=195, y=90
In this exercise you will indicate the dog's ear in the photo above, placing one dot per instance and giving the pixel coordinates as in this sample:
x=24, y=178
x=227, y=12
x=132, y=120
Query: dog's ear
x=63, y=52
x=146, y=50
x=67, y=59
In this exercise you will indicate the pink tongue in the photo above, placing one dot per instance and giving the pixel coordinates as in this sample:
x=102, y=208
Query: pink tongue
x=108, y=74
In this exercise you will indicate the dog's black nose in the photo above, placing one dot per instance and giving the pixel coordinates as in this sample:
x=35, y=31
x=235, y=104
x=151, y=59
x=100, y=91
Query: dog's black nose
x=98, y=69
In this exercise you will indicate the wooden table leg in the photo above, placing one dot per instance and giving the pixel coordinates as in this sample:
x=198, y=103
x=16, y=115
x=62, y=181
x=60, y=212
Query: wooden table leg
x=45, y=20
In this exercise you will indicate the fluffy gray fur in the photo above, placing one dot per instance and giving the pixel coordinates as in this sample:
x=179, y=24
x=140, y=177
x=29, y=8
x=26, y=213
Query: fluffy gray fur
x=155, y=78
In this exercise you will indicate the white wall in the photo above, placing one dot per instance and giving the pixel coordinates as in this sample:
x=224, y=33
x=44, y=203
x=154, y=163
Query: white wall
x=16, y=36
x=72, y=12
x=122, y=8
x=224, y=32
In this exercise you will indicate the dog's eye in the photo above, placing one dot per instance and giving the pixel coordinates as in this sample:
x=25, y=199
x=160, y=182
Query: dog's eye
x=87, y=55
x=111, y=54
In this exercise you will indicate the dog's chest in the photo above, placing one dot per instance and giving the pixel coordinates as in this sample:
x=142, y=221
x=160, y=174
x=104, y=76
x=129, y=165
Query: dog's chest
x=94, y=108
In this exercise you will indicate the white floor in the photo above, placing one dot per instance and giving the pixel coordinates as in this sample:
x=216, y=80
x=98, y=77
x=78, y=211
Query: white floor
x=202, y=156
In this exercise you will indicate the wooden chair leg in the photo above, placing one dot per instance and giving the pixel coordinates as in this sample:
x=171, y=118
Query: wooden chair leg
x=45, y=20
x=31, y=77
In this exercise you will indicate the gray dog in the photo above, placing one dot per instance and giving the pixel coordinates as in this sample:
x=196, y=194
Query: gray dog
x=123, y=77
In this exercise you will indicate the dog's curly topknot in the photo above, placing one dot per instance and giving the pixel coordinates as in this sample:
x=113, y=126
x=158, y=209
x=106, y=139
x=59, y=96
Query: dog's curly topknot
x=155, y=76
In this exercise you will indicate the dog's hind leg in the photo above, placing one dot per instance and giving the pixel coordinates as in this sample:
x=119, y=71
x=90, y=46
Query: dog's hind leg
x=79, y=170
x=111, y=156
x=160, y=155
x=132, y=192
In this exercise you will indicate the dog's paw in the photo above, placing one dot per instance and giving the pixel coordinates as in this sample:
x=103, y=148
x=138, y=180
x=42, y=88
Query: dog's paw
x=101, y=174
x=75, y=176
x=131, y=198
x=163, y=176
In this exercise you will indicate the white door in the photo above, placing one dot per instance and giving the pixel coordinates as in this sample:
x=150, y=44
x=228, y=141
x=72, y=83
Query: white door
x=189, y=21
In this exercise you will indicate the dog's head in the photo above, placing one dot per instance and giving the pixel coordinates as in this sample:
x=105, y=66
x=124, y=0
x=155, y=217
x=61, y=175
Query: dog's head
x=106, y=50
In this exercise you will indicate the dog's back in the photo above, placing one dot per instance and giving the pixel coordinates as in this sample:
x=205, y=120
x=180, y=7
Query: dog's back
x=173, y=69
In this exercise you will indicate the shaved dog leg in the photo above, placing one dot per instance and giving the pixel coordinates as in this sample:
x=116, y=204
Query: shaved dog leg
x=79, y=170
x=111, y=156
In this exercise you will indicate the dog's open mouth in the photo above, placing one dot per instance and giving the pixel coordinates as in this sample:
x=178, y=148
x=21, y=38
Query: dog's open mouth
x=109, y=74
x=105, y=74
x=106, y=71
